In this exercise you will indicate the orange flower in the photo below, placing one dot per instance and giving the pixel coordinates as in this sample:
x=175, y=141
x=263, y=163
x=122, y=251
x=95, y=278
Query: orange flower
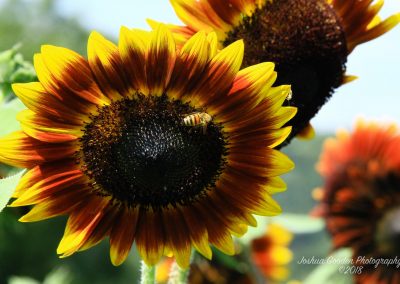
x=271, y=254
x=361, y=196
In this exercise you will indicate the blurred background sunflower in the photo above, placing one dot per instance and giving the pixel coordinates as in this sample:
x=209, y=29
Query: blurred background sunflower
x=68, y=23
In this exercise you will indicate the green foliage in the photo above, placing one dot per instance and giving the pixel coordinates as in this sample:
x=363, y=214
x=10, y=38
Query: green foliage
x=8, y=112
x=34, y=23
x=60, y=275
x=303, y=179
x=13, y=69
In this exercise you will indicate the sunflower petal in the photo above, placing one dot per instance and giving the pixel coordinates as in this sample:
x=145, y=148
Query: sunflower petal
x=150, y=238
x=19, y=150
x=176, y=233
x=189, y=66
x=47, y=130
x=67, y=74
x=220, y=75
x=106, y=64
x=160, y=60
x=55, y=207
x=122, y=235
x=35, y=97
x=81, y=223
x=133, y=46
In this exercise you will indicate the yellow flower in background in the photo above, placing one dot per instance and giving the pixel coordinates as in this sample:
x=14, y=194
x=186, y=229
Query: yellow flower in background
x=270, y=253
x=163, y=270
x=170, y=149
x=360, y=199
x=309, y=40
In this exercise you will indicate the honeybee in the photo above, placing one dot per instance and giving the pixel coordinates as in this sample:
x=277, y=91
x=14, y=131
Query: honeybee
x=197, y=119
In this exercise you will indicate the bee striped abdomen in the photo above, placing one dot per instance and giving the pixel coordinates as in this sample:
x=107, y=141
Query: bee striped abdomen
x=192, y=120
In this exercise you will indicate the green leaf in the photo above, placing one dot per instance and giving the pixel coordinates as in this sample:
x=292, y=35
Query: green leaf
x=22, y=280
x=333, y=270
x=300, y=223
x=228, y=260
x=8, y=113
x=7, y=187
x=57, y=276
x=14, y=69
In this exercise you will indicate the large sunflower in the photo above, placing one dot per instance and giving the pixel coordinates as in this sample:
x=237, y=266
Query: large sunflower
x=361, y=197
x=106, y=142
x=309, y=40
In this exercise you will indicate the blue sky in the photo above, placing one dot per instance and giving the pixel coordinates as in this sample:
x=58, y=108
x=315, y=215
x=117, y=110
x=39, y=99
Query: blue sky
x=375, y=95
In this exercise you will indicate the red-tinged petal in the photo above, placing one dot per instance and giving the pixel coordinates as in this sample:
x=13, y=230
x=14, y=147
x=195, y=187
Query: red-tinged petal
x=132, y=47
x=226, y=216
x=111, y=214
x=38, y=173
x=256, y=200
x=160, y=60
x=229, y=13
x=47, y=130
x=192, y=14
x=67, y=75
x=36, y=98
x=221, y=240
x=189, y=66
x=107, y=66
x=81, y=223
x=233, y=214
x=123, y=234
x=58, y=206
x=197, y=230
x=19, y=150
x=177, y=236
x=150, y=236
x=54, y=183
x=181, y=33
x=268, y=163
x=259, y=137
x=220, y=75
x=248, y=90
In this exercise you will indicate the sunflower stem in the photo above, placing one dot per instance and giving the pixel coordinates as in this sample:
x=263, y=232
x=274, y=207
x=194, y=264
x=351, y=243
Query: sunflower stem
x=147, y=274
x=178, y=275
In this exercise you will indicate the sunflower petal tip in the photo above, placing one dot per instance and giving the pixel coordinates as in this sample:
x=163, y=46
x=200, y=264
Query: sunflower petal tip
x=47, y=48
x=23, y=219
x=16, y=87
x=152, y=23
x=36, y=57
x=240, y=43
x=116, y=260
x=94, y=35
x=123, y=29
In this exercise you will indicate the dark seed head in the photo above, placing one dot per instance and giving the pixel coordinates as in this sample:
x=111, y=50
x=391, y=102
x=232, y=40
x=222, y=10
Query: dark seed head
x=306, y=41
x=139, y=152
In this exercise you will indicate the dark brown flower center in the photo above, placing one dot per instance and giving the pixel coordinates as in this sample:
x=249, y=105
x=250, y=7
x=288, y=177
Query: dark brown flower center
x=306, y=41
x=140, y=152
